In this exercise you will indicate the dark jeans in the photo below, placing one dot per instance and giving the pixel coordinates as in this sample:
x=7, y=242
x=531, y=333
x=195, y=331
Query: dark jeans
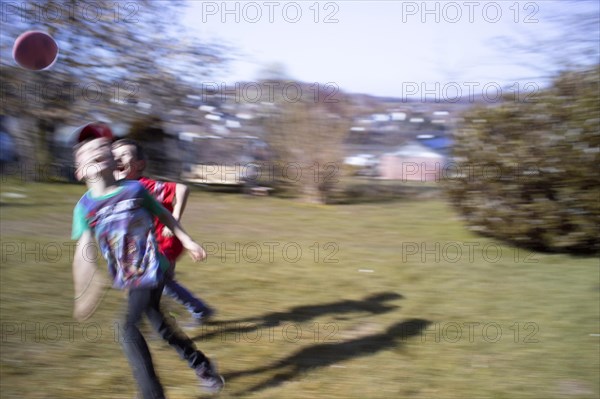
x=182, y=295
x=146, y=301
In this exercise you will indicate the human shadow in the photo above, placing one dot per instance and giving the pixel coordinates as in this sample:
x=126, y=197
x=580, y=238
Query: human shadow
x=374, y=304
x=326, y=354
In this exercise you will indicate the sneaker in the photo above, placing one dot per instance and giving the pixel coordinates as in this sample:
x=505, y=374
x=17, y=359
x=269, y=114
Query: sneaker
x=202, y=316
x=209, y=379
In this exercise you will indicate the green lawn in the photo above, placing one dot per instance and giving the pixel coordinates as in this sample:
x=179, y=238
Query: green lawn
x=390, y=300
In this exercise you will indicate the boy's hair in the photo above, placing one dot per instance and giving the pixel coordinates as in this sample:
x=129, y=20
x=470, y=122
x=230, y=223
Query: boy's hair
x=80, y=144
x=139, y=150
x=77, y=146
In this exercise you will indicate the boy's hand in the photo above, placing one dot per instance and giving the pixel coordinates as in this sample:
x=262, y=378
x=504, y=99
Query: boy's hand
x=166, y=232
x=196, y=251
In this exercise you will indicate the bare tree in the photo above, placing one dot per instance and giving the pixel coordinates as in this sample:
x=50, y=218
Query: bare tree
x=570, y=40
x=306, y=137
x=112, y=54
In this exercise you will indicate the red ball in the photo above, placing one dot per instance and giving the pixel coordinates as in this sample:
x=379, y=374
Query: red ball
x=35, y=50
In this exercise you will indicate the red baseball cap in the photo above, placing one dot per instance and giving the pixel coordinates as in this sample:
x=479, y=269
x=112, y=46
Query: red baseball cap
x=93, y=130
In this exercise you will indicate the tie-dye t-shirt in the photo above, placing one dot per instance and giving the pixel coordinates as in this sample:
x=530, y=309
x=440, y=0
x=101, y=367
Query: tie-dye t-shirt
x=122, y=224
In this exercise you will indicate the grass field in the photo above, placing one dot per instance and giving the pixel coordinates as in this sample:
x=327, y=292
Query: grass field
x=390, y=300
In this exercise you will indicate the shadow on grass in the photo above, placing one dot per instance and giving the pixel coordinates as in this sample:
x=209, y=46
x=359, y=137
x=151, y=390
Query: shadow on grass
x=21, y=204
x=323, y=355
x=375, y=304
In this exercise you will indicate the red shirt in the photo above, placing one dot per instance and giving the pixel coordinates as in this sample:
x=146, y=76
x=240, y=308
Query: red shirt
x=164, y=192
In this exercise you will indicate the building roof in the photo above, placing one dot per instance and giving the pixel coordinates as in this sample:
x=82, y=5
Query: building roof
x=415, y=149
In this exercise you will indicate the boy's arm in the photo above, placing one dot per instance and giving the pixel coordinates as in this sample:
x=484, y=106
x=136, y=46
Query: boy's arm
x=196, y=251
x=80, y=258
x=181, y=195
x=89, y=282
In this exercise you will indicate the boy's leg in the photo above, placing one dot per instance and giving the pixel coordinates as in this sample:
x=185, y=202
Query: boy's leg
x=169, y=331
x=135, y=347
x=182, y=295
x=186, y=348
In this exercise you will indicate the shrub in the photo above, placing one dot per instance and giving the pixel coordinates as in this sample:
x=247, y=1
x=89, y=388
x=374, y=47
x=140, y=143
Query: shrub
x=527, y=172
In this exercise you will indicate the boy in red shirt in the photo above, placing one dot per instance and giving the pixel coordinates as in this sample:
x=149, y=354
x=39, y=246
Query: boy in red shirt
x=129, y=156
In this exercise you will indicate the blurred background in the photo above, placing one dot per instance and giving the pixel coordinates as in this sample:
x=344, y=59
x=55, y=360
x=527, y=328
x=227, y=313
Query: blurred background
x=385, y=128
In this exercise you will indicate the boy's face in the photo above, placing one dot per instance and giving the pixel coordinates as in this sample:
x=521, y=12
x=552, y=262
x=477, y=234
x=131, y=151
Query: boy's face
x=93, y=158
x=128, y=166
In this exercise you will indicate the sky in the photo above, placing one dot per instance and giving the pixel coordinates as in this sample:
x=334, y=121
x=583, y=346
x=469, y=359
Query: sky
x=386, y=48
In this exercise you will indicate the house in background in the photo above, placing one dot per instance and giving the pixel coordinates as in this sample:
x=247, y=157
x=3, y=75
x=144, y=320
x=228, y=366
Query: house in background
x=9, y=142
x=412, y=162
x=8, y=151
x=440, y=144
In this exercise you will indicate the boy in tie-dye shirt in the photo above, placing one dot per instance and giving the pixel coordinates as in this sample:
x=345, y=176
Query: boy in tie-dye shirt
x=118, y=215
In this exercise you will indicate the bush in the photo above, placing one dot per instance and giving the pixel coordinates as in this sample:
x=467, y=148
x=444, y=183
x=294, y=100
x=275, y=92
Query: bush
x=527, y=172
x=360, y=191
